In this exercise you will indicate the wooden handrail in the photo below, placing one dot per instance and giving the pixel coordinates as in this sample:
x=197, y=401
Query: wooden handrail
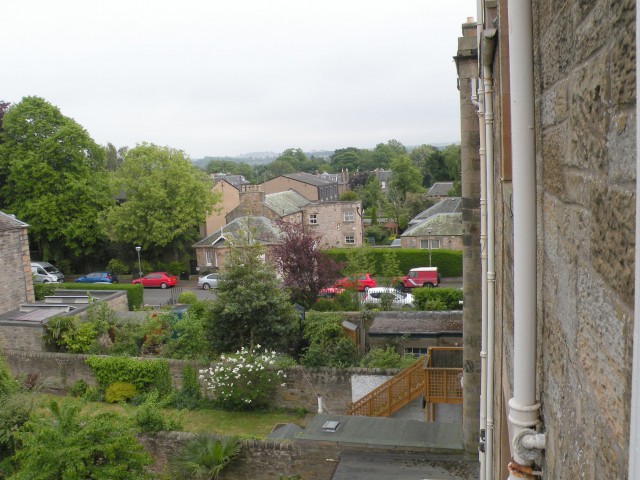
x=394, y=394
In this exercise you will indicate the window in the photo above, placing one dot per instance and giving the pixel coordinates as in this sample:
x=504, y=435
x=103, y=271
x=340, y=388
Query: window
x=207, y=258
x=313, y=218
x=350, y=240
x=383, y=185
x=424, y=244
x=435, y=244
x=415, y=351
x=349, y=217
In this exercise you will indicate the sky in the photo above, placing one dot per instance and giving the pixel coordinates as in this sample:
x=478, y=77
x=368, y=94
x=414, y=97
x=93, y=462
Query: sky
x=224, y=78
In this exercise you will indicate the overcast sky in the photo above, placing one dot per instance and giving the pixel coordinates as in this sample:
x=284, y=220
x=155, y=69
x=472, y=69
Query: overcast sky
x=215, y=77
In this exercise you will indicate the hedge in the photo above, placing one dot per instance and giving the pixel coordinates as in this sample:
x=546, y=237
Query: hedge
x=135, y=293
x=145, y=375
x=437, y=298
x=449, y=262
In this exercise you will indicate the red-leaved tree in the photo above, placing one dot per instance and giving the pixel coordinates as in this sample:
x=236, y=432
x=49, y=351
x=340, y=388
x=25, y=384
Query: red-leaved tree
x=305, y=269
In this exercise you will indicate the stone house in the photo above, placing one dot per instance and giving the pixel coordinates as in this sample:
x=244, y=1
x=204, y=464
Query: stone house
x=15, y=264
x=312, y=187
x=442, y=230
x=549, y=193
x=439, y=190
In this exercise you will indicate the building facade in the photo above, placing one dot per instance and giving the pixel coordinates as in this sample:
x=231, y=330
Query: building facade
x=312, y=187
x=15, y=264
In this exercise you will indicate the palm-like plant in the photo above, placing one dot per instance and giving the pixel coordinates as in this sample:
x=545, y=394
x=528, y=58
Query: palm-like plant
x=204, y=457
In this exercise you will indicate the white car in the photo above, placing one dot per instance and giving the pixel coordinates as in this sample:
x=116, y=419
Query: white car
x=376, y=295
x=208, y=281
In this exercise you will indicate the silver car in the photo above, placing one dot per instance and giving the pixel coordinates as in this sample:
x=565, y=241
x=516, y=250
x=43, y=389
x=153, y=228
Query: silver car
x=398, y=299
x=208, y=281
x=44, y=272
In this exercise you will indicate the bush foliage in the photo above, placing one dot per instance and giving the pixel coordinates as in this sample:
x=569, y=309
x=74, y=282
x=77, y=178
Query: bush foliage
x=145, y=375
x=135, y=293
x=433, y=299
x=328, y=343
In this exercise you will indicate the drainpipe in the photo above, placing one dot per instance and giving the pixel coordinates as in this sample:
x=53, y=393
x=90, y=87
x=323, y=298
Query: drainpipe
x=523, y=407
x=634, y=436
x=478, y=100
x=488, y=49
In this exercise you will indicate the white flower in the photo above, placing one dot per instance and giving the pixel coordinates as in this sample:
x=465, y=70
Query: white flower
x=283, y=384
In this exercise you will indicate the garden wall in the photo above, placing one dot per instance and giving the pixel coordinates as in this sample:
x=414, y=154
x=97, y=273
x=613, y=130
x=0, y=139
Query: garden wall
x=59, y=371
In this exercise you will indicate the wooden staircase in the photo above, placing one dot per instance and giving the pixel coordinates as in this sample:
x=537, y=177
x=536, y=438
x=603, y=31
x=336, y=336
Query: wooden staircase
x=394, y=394
x=437, y=381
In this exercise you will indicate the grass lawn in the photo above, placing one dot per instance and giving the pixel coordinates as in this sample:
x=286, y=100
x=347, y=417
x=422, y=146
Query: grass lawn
x=255, y=424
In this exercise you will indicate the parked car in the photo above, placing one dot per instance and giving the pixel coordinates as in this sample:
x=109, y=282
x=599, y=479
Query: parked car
x=44, y=272
x=208, y=281
x=157, y=279
x=375, y=296
x=418, y=277
x=363, y=282
x=330, y=292
x=98, y=277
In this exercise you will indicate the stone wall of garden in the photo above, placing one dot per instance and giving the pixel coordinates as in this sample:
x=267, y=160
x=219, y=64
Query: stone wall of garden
x=59, y=371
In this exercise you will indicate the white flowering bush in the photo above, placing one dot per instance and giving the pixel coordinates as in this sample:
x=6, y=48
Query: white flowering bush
x=245, y=380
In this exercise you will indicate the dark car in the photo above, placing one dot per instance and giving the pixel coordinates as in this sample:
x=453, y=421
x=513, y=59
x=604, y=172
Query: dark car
x=98, y=277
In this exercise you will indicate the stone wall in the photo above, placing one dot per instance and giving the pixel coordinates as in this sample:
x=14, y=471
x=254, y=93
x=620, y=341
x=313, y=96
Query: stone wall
x=332, y=227
x=584, y=74
x=15, y=263
x=59, y=371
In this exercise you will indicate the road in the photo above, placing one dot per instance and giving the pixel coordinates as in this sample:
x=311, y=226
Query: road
x=158, y=296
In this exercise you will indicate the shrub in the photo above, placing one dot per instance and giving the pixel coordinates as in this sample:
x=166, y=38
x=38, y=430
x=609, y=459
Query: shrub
x=42, y=290
x=187, y=298
x=120, y=392
x=328, y=344
x=204, y=457
x=118, y=267
x=173, y=267
x=325, y=305
x=81, y=339
x=127, y=339
x=386, y=358
x=55, y=330
x=189, y=396
x=15, y=410
x=187, y=338
x=145, y=375
x=8, y=385
x=243, y=381
x=79, y=389
x=149, y=417
x=432, y=299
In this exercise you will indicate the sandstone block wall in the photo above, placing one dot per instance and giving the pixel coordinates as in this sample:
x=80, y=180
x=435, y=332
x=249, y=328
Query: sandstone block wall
x=15, y=264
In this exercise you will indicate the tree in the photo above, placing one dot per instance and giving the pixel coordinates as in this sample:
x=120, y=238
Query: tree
x=405, y=177
x=390, y=266
x=452, y=158
x=350, y=158
x=167, y=198
x=419, y=155
x=69, y=445
x=204, y=457
x=250, y=305
x=54, y=178
x=114, y=156
x=305, y=270
x=384, y=154
x=435, y=169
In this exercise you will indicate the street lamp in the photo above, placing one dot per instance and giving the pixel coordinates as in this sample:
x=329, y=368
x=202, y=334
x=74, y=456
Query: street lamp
x=429, y=232
x=139, y=263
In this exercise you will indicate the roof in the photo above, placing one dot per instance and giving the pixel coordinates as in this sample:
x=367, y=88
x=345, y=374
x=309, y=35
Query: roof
x=309, y=179
x=285, y=203
x=266, y=232
x=235, y=180
x=446, y=205
x=441, y=224
x=383, y=175
x=426, y=324
x=440, y=189
x=9, y=222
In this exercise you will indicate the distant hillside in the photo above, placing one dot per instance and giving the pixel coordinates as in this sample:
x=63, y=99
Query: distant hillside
x=257, y=158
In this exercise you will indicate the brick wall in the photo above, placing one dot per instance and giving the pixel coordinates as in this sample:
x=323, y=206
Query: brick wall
x=15, y=265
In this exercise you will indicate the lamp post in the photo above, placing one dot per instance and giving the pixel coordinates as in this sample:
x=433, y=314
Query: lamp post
x=139, y=263
x=429, y=232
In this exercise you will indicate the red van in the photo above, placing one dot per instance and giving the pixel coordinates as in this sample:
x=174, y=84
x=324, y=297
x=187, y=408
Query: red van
x=419, y=277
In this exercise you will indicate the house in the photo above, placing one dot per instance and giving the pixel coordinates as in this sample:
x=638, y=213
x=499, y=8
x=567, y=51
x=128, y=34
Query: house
x=229, y=199
x=446, y=205
x=212, y=250
x=439, y=190
x=342, y=179
x=15, y=264
x=384, y=177
x=549, y=188
x=310, y=186
x=442, y=230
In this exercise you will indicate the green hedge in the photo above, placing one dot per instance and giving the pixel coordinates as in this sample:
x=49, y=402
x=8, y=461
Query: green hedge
x=145, y=375
x=431, y=299
x=135, y=293
x=449, y=262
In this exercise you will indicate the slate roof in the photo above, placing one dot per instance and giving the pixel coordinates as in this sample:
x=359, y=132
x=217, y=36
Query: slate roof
x=441, y=224
x=446, y=205
x=309, y=179
x=9, y=222
x=285, y=203
x=265, y=230
x=235, y=180
x=440, y=189
x=417, y=323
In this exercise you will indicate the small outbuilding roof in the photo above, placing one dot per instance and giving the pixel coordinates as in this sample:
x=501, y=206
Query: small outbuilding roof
x=421, y=324
x=440, y=189
x=446, y=205
x=265, y=231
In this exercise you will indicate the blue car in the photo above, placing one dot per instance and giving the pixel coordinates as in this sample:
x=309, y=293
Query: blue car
x=98, y=277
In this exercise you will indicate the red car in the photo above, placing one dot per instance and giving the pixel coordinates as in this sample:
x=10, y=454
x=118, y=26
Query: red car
x=364, y=281
x=157, y=279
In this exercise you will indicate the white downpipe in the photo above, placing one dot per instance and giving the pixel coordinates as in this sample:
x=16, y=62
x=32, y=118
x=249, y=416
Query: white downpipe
x=491, y=274
x=524, y=410
x=478, y=101
x=634, y=436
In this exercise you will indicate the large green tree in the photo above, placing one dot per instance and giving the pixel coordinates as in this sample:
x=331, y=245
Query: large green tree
x=405, y=177
x=250, y=307
x=53, y=177
x=166, y=199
